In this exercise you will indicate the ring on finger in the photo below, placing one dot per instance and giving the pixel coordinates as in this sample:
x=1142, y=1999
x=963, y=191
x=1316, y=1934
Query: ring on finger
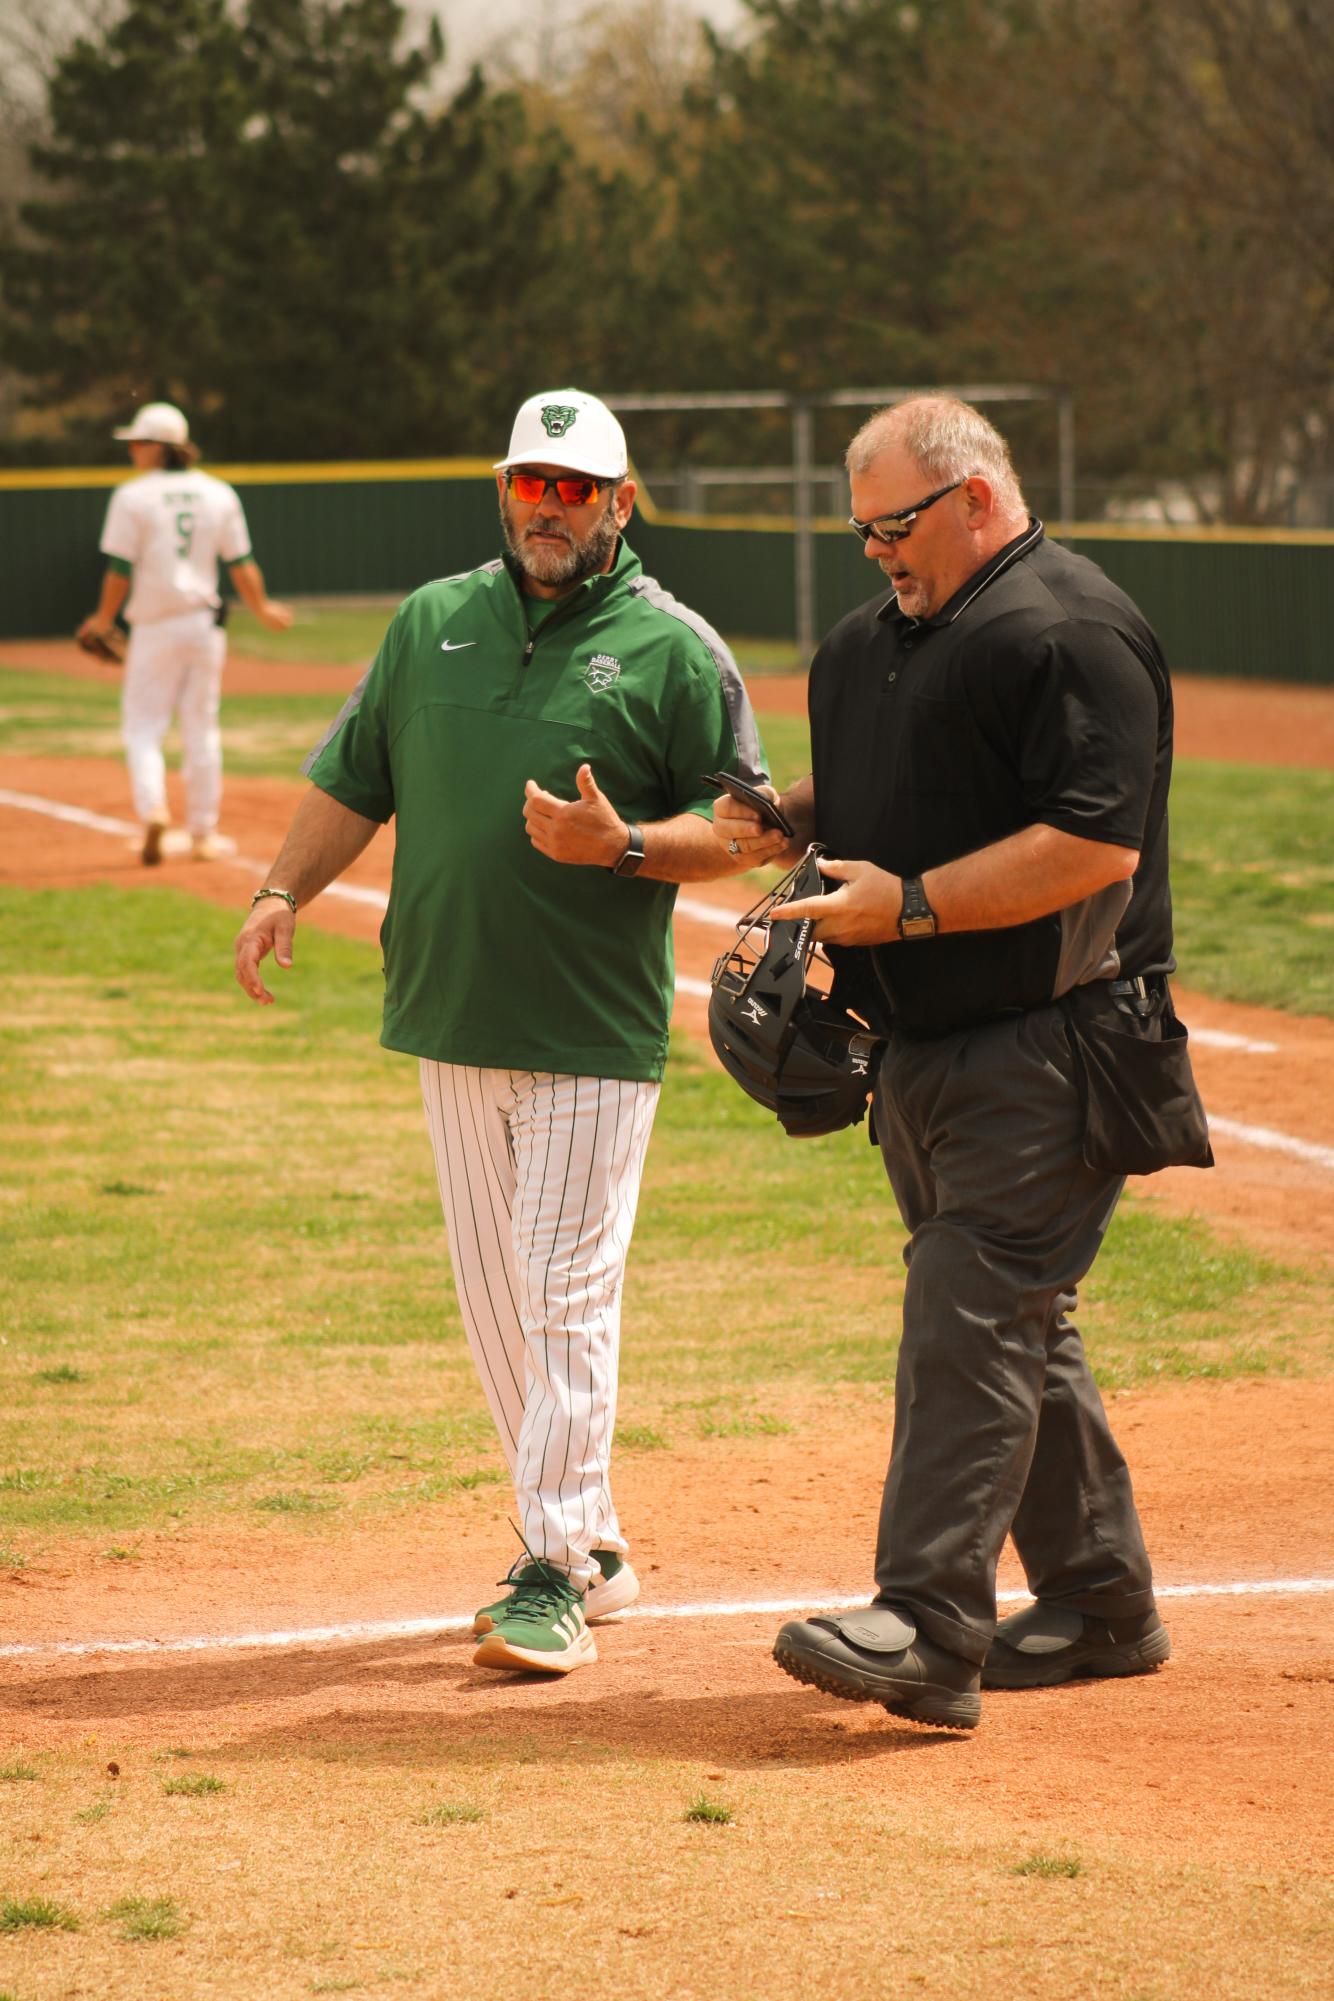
x=734, y=847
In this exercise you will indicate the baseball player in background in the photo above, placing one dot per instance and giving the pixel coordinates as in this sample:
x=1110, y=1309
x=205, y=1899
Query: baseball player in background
x=538, y=729
x=164, y=536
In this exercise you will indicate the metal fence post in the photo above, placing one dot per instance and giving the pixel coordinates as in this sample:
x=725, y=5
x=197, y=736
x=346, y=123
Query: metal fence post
x=1066, y=457
x=803, y=463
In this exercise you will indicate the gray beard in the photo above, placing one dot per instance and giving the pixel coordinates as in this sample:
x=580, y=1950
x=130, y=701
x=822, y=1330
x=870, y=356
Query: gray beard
x=566, y=566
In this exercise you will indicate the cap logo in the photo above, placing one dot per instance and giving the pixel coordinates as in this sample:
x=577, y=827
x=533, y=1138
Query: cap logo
x=557, y=419
x=602, y=670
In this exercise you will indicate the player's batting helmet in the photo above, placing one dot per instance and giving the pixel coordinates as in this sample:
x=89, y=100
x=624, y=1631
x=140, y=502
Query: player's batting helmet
x=805, y=1060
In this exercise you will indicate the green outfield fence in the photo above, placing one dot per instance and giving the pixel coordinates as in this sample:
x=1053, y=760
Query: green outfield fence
x=1255, y=603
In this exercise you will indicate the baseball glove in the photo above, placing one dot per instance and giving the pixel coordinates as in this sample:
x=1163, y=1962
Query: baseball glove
x=104, y=646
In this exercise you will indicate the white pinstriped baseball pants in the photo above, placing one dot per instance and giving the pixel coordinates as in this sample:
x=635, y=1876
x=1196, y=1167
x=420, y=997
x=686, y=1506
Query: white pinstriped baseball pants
x=539, y=1180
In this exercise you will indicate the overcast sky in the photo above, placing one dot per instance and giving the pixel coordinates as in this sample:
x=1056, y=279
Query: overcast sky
x=472, y=27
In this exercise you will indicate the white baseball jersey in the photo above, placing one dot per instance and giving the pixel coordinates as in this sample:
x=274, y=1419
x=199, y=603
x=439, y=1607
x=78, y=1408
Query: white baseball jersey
x=173, y=528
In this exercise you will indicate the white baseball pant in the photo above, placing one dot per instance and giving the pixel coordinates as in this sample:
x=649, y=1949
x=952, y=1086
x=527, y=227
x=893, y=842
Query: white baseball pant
x=539, y=1179
x=174, y=667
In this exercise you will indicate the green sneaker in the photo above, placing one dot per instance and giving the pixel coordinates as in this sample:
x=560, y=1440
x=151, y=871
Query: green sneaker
x=483, y=1621
x=542, y=1626
x=616, y=1588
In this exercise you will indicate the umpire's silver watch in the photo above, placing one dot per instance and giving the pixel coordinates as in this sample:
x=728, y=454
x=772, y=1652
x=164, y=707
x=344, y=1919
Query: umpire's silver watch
x=633, y=859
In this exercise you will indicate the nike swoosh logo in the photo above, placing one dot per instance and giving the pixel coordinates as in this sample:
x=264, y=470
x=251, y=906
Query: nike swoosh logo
x=455, y=645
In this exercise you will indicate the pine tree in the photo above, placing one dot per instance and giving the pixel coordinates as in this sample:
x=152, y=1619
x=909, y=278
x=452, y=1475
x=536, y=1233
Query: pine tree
x=256, y=213
x=111, y=289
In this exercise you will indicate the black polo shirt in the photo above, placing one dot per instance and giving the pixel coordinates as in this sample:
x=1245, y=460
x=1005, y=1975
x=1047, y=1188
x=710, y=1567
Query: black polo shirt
x=1037, y=694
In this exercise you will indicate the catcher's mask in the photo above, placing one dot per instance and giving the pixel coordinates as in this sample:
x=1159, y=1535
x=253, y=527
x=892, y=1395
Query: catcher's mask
x=805, y=1060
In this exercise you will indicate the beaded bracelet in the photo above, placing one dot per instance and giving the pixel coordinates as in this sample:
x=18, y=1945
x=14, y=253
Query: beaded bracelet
x=285, y=894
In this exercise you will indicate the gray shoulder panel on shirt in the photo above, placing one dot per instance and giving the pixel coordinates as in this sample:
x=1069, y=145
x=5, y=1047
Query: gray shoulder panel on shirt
x=349, y=708
x=729, y=674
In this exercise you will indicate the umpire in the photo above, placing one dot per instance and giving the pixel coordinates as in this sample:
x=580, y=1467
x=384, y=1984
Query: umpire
x=993, y=743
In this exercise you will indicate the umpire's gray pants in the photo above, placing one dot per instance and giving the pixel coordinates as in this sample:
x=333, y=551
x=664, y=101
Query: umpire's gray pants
x=998, y=1424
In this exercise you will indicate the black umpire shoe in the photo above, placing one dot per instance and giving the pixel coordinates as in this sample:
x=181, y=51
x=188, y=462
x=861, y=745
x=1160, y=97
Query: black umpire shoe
x=878, y=1655
x=1047, y=1644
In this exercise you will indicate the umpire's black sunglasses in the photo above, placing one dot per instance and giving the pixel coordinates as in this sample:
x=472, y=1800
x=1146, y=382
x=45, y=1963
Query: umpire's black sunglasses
x=893, y=527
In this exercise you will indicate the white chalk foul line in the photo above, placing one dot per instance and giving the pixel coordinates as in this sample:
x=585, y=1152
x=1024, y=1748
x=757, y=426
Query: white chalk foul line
x=1222, y=1038
x=411, y=1629
x=77, y=816
x=1273, y=1142
x=704, y=913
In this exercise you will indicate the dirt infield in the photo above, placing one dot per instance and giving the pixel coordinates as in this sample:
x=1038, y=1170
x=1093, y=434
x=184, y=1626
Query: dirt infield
x=1226, y=1744
x=1215, y=1772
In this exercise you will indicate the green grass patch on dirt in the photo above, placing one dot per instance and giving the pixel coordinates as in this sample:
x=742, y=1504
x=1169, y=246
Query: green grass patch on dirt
x=36, y=1914
x=710, y=1813
x=273, y=1332
x=451, y=1813
x=194, y=1786
x=145, y=1917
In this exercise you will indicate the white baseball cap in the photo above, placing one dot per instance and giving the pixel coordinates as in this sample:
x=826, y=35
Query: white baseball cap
x=156, y=424
x=567, y=427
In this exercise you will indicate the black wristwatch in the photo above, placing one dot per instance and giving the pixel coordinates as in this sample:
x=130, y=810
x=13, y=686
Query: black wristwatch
x=916, y=919
x=633, y=859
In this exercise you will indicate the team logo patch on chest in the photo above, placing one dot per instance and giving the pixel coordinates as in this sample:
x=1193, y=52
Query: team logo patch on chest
x=602, y=671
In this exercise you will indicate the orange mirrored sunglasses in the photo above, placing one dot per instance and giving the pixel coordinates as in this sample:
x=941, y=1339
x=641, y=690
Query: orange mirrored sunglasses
x=571, y=491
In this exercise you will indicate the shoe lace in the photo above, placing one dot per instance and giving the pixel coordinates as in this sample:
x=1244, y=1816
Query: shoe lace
x=538, y=1589
x=542, y=1594
x=514, y=1574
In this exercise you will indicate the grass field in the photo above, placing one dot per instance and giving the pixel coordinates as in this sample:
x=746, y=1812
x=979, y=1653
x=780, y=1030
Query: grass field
x=200, y=1197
